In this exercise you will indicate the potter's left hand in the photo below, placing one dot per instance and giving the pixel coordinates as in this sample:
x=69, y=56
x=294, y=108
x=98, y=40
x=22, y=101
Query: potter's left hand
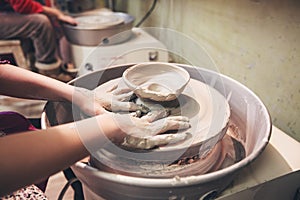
x=117, y=98
x=100, y=100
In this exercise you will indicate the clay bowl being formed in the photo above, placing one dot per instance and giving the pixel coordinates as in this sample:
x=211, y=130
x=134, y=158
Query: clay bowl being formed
x=208, y=112
x=156, y=81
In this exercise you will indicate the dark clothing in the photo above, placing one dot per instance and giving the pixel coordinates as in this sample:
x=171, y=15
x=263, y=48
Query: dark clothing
x=24, y=20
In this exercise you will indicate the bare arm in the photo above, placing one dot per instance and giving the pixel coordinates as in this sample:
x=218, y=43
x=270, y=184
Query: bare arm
x=18, y=82
x=21, y=83
x=29, y=157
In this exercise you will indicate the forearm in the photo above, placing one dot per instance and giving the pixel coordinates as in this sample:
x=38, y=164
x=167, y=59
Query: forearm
x=29, y=157
x=52, y=12
x=18, y=82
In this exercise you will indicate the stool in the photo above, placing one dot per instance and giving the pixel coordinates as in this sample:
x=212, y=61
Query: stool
x=11, y=50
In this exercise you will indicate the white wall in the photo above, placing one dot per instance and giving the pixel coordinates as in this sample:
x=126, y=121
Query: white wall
x=256, y=42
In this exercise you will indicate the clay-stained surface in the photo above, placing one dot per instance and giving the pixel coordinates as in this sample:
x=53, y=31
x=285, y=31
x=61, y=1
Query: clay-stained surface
x=206, y=108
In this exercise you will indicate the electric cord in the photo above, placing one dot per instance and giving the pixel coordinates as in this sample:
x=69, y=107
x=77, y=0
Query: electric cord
x=65, y=188
x=147, y=14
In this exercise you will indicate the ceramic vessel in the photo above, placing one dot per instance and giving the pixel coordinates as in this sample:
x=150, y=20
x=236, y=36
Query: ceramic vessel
x=156, y=80
x=114, y=29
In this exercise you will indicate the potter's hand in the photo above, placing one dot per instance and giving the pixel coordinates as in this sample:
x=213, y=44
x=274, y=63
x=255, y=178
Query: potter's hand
x=102, y=100
x=86, y=101
x=117, y=98
x=145, y=132
x=58, y=15
x=67, y=19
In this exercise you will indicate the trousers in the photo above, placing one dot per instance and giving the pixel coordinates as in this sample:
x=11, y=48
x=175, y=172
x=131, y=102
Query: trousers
x=37, y=27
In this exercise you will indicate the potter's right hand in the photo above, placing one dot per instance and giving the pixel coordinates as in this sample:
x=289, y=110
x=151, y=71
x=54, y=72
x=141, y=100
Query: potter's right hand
x=145, y=132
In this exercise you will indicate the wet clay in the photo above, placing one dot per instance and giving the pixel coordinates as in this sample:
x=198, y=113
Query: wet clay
x=207, y=110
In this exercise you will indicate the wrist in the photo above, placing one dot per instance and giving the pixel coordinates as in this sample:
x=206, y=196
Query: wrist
x=78, y=95
x=96, y=132
x=111, y=128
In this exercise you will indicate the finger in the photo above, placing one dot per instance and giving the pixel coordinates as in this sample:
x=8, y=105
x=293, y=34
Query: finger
x=122, y=91
x=124, y=96
x=179, y=118
x=156, y=114
x=154, y=141
x=124, y=106
x=164, y=139
x=167, y=124
x=172, y=123
x=178, y=123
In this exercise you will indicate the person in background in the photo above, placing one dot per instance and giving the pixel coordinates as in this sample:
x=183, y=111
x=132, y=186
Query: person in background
x=28, y=19
x=28, y=156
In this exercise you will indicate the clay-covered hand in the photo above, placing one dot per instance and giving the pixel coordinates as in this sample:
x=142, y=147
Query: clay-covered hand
x=118, y=98
x=85, y=100
x=102, y=100
x=146, y=132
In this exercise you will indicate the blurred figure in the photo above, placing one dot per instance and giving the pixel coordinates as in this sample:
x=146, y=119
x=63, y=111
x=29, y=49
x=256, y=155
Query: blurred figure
x=28, y=19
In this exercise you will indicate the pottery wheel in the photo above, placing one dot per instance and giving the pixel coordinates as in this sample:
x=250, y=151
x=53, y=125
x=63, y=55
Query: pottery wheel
x=99, y=21
x=207, y=110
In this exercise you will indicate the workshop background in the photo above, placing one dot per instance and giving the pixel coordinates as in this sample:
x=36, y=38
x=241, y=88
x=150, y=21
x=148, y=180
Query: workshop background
x=256, y=42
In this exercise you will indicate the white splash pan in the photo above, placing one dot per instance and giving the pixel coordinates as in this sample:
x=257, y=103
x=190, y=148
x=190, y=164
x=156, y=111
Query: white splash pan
x=247, y=111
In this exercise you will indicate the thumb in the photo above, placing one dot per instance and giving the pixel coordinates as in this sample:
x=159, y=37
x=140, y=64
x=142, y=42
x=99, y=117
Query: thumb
x=100, y=110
